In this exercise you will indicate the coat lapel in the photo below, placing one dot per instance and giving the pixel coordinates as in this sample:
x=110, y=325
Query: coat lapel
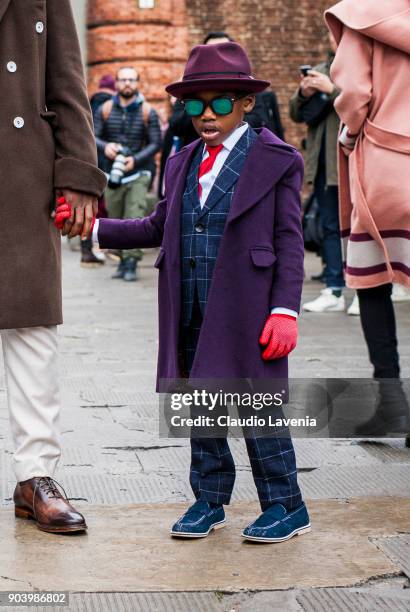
x=3, y=7
x=229, y=174
x=178, y=167
x=267, y=161
x=191, y=183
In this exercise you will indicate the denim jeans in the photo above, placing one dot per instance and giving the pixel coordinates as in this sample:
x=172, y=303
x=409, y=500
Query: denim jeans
x=328, y=200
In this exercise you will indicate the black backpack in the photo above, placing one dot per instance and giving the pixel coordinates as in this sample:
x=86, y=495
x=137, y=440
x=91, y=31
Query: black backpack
x=312, y=225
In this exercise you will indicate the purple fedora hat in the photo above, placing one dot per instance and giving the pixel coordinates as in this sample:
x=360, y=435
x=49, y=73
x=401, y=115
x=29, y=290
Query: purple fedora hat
x=222, y=67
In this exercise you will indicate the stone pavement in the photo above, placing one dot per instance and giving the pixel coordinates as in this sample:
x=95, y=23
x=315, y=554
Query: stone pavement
x=132, y=484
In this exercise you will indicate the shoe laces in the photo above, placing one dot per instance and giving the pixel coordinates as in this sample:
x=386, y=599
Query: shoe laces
x=50, y=487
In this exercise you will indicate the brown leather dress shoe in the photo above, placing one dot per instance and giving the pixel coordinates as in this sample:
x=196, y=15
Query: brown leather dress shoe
x=40, y=500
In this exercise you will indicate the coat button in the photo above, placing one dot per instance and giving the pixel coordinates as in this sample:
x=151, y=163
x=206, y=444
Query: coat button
x=192, y=262
x=199, y=227
x=12, y=67
x=39, y=27
x=18, y=122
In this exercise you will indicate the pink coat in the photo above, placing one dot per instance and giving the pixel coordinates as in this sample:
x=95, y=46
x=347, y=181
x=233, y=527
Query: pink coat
x=372, y=70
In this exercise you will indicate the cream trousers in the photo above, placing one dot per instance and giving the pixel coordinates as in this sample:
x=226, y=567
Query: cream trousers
x=30, y=361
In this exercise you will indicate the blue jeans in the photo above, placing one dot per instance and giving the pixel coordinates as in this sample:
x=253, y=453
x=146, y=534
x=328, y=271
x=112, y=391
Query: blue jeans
x=328, y=200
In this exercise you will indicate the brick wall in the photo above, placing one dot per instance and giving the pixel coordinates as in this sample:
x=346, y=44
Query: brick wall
x=153, y=40
x=279, y=35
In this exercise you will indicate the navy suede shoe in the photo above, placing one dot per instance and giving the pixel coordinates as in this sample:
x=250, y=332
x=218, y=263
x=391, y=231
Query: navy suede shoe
x=199, y=520
x=276, y=524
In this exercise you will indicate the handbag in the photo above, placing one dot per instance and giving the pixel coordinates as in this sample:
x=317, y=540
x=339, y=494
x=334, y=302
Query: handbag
x=312, y=225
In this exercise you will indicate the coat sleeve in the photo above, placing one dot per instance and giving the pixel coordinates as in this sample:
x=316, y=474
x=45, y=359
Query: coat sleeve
x=147, y=232
x=154, y=140
x=295, y=107
x=352, y=73
x=66, y=96
x=288, y=240
x=133, y=233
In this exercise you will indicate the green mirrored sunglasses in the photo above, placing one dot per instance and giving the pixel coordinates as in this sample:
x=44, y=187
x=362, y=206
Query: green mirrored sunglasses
x=222, y=105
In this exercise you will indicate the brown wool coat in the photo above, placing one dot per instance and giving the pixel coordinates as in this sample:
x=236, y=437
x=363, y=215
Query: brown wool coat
x=46, y=143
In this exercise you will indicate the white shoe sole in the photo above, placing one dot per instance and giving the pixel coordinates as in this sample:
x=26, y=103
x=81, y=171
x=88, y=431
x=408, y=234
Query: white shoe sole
x=330, y=309
x=300, y=531
x=180, y=534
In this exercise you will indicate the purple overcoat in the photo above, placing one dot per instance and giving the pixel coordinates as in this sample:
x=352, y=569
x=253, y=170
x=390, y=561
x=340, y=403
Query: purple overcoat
x=259, y=264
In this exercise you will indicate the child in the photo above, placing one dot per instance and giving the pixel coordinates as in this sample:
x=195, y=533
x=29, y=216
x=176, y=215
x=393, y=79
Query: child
x=231, y=215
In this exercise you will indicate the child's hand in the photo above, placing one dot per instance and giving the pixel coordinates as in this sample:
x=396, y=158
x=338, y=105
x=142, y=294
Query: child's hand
x=62, y=213
x=279, y=336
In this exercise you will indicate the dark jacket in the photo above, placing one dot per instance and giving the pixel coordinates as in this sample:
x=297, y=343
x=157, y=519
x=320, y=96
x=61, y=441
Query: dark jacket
x=259, y=264
x=266, y=113
x=125, y=125
x=328, y=128
x=180, y=125
x=99, y=98
x=46, y=143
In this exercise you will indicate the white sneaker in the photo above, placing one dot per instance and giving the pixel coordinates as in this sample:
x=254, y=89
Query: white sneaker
x=354, y=308
x=326, y=302
x=400, y=293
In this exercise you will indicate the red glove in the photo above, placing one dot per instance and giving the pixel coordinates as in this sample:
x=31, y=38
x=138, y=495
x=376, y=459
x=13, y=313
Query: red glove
x=279, y=336
x=63, y=212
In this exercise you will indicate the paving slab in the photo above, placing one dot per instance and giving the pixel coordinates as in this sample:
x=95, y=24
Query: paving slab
x=136, y=602
x=347, y=600
x=397, y=548
x=267, y=601
x=337, y=552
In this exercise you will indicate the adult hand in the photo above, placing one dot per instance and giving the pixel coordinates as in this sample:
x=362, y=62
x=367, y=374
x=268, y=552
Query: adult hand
x=279, y=336
x=306, y=88
x=84, y=208
x=111, y=150
x=129, y=164
x=317, y=81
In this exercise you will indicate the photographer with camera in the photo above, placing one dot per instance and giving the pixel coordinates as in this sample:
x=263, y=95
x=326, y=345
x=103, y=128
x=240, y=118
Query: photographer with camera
x=128, y=133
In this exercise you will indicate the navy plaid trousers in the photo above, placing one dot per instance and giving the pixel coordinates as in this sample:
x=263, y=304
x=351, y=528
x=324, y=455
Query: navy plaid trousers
x=212, y=472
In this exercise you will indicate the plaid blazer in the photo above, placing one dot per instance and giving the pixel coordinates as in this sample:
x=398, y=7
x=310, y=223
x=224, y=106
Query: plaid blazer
x=202, y=228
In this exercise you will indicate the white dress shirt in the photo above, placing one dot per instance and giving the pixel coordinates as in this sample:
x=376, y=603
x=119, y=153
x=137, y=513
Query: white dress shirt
x=207, y=181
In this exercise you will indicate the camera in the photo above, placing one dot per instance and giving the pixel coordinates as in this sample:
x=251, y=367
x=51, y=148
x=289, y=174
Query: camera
x=118, y=168
x=304, y=69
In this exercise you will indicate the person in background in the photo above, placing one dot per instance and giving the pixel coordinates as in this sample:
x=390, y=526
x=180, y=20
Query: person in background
x=180, y=133
x=372, y=70
x=127, y=123
x=313, y=104
x=106, y=90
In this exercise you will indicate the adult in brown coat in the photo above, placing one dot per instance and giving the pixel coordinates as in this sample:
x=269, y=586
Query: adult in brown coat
x=47, y=148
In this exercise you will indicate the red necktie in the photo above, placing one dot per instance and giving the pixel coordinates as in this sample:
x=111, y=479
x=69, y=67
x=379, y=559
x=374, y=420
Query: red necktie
x=207, y=164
